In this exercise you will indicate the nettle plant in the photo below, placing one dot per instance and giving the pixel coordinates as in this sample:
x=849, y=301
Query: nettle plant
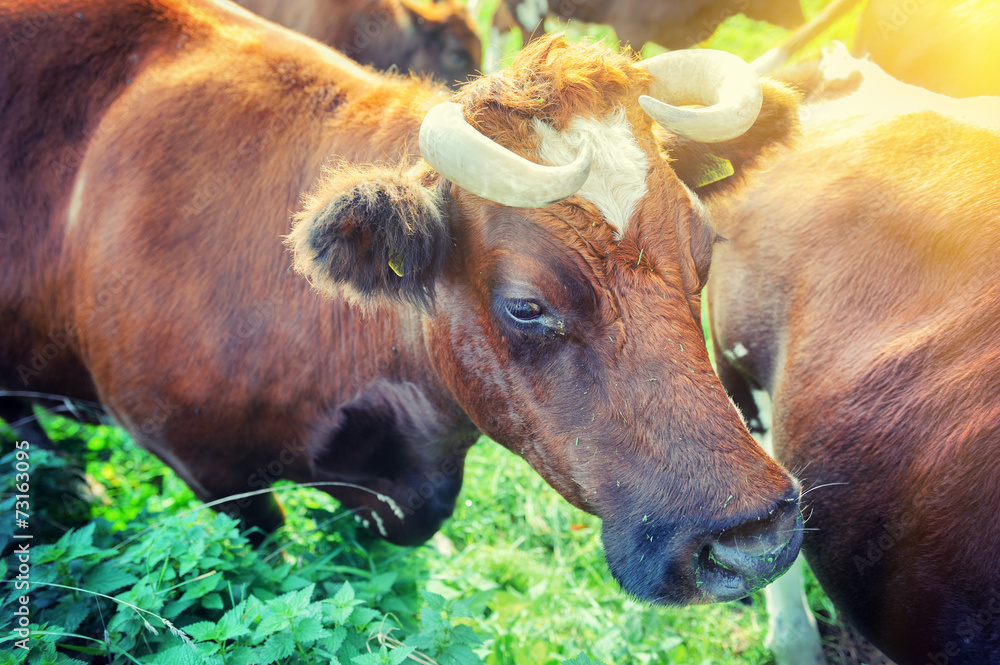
x=189, y=588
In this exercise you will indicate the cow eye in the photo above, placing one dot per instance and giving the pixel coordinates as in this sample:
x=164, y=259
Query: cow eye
x=522, y=310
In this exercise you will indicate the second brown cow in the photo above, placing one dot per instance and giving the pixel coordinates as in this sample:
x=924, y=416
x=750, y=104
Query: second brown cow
x=859, y=289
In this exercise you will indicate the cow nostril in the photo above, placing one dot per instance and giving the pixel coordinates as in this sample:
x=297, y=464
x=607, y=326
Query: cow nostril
x=709, y=562
x=742, y=559
x=758, y=538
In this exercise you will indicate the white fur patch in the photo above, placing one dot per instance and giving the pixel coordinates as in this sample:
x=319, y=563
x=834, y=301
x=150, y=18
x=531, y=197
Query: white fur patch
x=735, y=353
x=617, y=178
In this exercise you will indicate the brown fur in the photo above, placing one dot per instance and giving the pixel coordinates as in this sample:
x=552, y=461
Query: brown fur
x=549, y=80
x=860, y=275
x=438, y=39
x=147, y=198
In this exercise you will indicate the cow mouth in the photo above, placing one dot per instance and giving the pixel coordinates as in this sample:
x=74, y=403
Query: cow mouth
x=685, y=563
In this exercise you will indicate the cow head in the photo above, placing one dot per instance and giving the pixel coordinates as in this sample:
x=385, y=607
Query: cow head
x=557, y=258
x=443, y=40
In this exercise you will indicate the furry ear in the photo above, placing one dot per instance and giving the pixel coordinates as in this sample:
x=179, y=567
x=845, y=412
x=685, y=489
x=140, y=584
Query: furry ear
x=716, y=168
x=371, y=234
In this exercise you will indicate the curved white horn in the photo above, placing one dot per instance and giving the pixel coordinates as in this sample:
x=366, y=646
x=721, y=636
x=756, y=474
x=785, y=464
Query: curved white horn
x=724, y=85
x=473, y=162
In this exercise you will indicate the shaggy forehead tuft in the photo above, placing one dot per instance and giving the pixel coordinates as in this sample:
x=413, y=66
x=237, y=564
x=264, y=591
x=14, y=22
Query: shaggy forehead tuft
x=617, y=180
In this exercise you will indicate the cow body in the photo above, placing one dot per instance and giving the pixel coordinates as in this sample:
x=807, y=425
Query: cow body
x=437, y=39
x=153, y=151
x=183, y=327
x=949, y=46
x=672, y=24
x=859, y=289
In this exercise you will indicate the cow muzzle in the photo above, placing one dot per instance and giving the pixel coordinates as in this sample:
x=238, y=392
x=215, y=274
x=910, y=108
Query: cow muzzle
x=735, y=562
x=705, y=562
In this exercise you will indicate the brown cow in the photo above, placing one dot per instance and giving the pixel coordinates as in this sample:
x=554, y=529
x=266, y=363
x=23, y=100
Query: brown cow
x=859, y=288
x=673, y=24
x=948, y=46
x=438, y=39
x=537, y=279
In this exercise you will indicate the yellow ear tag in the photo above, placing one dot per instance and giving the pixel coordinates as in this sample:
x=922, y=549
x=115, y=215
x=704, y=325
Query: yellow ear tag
x=396, y=263
x=715, y=169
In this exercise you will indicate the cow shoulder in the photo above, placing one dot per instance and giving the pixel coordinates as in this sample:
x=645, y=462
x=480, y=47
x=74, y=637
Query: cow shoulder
x=717, y=168
x=372, y=234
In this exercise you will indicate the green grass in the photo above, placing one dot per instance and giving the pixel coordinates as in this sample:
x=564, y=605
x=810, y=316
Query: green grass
x=126, y=566
x=529, y=567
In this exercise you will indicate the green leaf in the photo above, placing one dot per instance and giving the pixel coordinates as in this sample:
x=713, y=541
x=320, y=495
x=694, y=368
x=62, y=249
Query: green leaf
x=279, y=645
x=582, y=659
x=82, y=537
x=382, y=584
x=75, y=613
x=344, y=595
x=181, y=654
x=399, y=654
x=263, y=656
x=339, y=608
x=373, y=658
x=308, y=630
x=231, y=626
x=48, y=553
x=465, y=634
x=334, y=640
x=202, y=587
x=424, y=640
x=108, y=578
x=433, y=622
x=463, y=608
x=191, y=556
x=435, y=602
x=362, y=616
x=206, y=649
x=203, y=631
x=459, y=654
x=242, y=656
x=292, y=604
x=337, y=615
x=176, y=609
x=294, y=583
x=247, y=611
x=270, y=623
x=212, y=601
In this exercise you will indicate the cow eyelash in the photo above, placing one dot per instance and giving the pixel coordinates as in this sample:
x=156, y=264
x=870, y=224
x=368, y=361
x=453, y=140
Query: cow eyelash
x=523, y=310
